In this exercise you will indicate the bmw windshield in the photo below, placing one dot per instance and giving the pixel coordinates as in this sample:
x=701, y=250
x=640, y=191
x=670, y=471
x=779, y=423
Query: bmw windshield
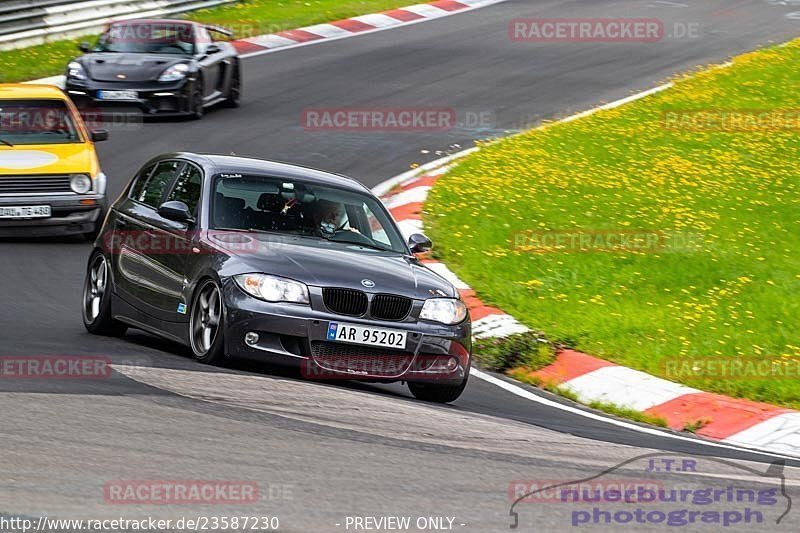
x=291, y=207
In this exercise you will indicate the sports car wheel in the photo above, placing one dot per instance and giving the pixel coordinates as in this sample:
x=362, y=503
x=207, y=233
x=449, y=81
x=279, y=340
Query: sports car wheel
x=235, y=92
x=433, y=392
x=207, y=323
x=197, y=109
x=97, y=316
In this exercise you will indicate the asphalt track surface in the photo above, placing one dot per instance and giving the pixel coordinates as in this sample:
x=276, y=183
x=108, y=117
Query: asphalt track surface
x=320, y=452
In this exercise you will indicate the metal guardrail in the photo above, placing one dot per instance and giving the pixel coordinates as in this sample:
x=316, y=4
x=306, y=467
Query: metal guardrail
x=29, y=22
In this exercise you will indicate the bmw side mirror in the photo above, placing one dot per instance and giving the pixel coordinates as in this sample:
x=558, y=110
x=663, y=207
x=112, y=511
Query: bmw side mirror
x=85, y=47
x=419, y=243
x=176, y=211
x=213, y=49
x=99, y=135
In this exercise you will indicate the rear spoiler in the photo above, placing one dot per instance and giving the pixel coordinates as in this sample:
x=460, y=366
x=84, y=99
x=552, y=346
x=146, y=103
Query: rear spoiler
x=219, y=29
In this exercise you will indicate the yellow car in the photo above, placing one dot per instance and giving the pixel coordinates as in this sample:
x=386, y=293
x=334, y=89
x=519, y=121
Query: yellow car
x=50, y=178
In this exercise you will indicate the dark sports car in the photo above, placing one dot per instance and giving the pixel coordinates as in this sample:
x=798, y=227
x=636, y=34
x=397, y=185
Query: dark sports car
x=241, y=257
x=162, y=67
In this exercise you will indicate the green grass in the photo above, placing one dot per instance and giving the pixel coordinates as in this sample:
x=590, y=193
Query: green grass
x=630, y=414
x=733, y=294
x=252, y=17
x=528, y=350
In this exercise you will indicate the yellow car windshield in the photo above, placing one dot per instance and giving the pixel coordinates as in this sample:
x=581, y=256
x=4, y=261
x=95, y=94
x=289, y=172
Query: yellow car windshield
x=24, y=122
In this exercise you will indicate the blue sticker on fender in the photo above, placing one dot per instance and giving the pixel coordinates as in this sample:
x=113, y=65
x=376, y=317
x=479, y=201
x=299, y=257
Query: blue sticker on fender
x=182, y=309
x=333, y=328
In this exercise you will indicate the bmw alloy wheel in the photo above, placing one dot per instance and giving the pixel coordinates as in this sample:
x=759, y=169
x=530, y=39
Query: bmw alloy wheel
x=206, y=319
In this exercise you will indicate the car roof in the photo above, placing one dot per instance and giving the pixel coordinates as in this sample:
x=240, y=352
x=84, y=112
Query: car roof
x=227, y=164
x=20, y=91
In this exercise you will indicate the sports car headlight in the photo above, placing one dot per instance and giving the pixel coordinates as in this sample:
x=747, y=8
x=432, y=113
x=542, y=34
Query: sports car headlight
x=80, y=183
x=445, y=310
x=273, y=288
x=174, y=73
x=76, y=71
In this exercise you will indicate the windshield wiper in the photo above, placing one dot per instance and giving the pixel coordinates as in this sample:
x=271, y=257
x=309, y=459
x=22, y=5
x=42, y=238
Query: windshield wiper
x=6, y=142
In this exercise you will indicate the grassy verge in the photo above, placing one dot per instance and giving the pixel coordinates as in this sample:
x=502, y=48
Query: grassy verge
x=529, y=350
x=722, y=204
x=251, y=17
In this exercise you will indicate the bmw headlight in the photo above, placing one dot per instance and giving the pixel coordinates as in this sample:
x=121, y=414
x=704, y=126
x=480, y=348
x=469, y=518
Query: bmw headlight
x=76, y=71
x=273, y=288
x=445, y=310
x=174, y=73
x=80, y=183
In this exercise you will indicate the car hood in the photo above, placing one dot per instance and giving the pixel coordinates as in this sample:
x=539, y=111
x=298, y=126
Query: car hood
x=110, y=66
x=26, y=160
x=328, y=264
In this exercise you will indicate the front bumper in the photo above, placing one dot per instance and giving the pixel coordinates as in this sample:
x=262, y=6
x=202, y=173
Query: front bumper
x=296, y=335
x=154, y=98
x=69, y=215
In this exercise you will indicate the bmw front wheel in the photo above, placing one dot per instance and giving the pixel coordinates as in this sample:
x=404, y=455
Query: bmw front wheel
x=206, y=324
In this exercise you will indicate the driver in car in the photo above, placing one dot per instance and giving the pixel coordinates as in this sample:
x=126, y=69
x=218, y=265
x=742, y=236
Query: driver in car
x=327, y=217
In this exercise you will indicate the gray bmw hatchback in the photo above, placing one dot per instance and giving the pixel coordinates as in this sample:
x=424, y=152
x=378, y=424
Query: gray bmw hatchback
x=238, y=257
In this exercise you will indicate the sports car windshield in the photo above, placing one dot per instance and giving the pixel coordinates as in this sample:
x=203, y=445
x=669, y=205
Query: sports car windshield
x=36, y=122
x=148, y=38
x=285, y=206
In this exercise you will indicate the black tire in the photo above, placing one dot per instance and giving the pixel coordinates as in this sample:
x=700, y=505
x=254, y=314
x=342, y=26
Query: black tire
x=435, y=392
x=96, y=308
x=197, y=108
x=235, y=92
x=208, y=314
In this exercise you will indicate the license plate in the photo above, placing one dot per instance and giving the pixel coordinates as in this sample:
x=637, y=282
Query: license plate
x=27, y=211
x=351, y=333
x=117, y=95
